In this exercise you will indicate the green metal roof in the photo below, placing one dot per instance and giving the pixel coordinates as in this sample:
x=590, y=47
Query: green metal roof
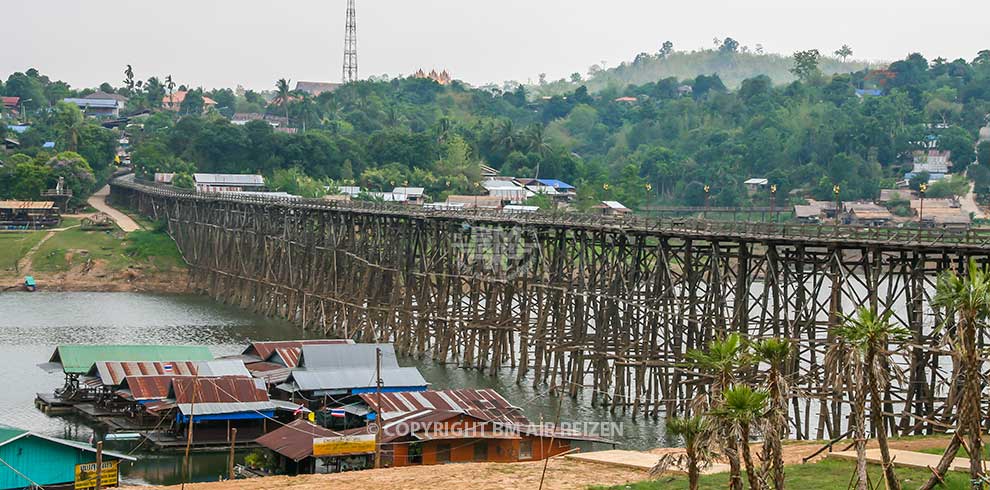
x=8, y=433
x=77, y=359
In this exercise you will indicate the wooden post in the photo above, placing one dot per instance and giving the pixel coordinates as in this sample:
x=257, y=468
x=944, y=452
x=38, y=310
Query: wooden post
x=189, y=433
x=378, y=415
x=99, y=465
x=233, y=442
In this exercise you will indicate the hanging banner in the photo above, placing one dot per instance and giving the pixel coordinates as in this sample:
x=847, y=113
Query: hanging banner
x=339, y=446
x=86, y=475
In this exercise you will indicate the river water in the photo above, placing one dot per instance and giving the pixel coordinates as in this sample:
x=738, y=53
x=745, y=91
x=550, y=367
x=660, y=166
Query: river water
x=33, y=324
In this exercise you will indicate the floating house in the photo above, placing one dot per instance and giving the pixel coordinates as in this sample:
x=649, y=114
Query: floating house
x=75, y=361
x=32, y=459
x=332, y=374
x=273, y=361
x=107, y=377
x=293, y=446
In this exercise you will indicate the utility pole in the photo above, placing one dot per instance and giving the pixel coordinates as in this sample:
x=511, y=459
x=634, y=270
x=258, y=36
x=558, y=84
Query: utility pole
x=99, y=465
x=350, y=45
x=189, y=433
x=921, y=209
x=378, y=416
x=233, y=442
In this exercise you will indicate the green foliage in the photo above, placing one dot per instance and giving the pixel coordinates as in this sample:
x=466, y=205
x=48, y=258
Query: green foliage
x=957, y=185
x=76, y=172
x=900, y=207
x=183, y=180
x=151, y=244
x=297, y=183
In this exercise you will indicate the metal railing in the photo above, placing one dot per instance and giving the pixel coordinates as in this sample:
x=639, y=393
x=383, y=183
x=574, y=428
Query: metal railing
x=958, y=238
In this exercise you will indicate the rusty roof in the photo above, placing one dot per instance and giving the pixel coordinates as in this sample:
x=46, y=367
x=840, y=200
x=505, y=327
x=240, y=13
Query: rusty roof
x=270, y=372
x=141, y=388
x=264, y=350
x=27, y=204
x=295, y=439
x=226, y=389
x=485, y=404
x=112, y=373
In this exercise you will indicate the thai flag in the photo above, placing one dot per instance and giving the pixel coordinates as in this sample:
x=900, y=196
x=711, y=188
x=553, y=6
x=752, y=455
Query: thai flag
x=298, y=410
x=167, y=368
x=337, y=413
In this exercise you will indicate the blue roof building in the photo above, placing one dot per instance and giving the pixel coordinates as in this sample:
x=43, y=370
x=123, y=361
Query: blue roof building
x=872, y=92
x=42, y=460
x=557, y=184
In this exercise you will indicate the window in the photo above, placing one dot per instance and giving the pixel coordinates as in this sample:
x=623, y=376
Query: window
x=481, y=451
x=526, y=449
x=415, y=455
x=443, y=453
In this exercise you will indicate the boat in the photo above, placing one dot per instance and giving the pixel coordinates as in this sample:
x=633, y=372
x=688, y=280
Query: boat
x=29, y=284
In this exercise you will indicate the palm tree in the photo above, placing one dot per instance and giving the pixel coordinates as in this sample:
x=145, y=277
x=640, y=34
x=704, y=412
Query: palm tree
x=742, y=406
x=862, y=341
x=170, y=85
x=724, y=359
x=282, y=93
x=696, y=433
x=775, y=353
x=967, y=300
x=506, y=137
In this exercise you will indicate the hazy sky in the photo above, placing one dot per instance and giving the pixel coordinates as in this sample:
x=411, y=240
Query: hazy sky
x=222, y=43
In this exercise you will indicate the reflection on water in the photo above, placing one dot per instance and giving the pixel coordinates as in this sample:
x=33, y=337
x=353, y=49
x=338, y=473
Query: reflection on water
x=32, y=324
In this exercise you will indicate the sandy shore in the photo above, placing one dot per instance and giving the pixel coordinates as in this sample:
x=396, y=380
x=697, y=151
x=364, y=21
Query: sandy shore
x=130, y=280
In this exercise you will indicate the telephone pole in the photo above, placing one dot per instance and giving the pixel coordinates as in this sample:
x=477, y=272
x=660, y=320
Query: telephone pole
x=350, y=45
x=380, y=421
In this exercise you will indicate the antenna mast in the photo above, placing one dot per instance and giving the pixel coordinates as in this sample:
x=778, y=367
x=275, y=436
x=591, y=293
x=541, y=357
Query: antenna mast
x=350, y=45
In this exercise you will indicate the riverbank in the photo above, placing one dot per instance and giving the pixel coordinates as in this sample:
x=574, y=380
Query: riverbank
x=562, y=473
x=98, y=279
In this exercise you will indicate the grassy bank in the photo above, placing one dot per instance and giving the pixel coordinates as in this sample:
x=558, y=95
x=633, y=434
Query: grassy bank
x=14, y=245
x=113, y=250
x=826, y=475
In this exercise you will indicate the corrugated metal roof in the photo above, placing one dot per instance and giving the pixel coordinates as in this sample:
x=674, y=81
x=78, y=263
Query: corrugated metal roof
x=485, y=404
x=11, y=434
x=263, y=350
x=95, y=103
x=112, y=373
x=227, y=389
x=353, y=378
x=295, y=439
x=222, y=367
x=26, y=204
x=269, y=372
x=141, y=388
x=78, y=359
x=229, y=179
x=342, y=356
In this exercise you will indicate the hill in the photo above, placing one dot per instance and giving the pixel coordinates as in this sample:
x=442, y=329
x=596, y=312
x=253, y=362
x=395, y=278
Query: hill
x=732, y=66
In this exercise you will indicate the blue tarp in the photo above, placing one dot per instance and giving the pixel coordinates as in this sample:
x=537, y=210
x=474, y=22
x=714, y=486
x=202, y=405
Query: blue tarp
x=48, y=144
x=557, y=184
x=265, y=414
x=388, y=389
x=19, y=129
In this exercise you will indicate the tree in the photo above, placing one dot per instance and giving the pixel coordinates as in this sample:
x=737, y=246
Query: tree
x=723, y=360
x=776, y=354
x=282, y=94
x=183, y=180
x=741, y=407
x=983, y=153
x=806, y=64
x=696, y=434
x=729, y=46
x=966, y=299
x=844, y=52
x=193, y=103
x=859, y=359
x=129, y=79
x=76, y=172
x=170, y=85
x=666, y=49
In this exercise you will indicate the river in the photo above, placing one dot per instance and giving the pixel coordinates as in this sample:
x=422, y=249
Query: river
x=33, y=324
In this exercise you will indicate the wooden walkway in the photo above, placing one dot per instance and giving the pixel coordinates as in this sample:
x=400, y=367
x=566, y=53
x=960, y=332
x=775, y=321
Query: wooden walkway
x=637, y=460
x=907, y=459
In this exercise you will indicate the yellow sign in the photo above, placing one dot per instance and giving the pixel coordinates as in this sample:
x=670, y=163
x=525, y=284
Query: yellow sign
x=86, y=475
x=339, y=446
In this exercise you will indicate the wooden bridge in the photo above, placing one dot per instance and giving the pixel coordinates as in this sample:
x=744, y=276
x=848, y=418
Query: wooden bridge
x=583, y=304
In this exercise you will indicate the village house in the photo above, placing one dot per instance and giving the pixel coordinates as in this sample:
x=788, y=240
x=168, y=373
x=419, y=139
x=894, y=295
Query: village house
x=934, y=162
x=316, y=88
x=333, y=374
x=866, y=214
x=32, y=459
x=273, y=361
x=507, y=190
x=411, y=195
x=888, y=195
x=229, y=182
x=99, y=108
x=10, y=104
x=475, y=202
x=756, y=185
x=612, y=208
x=28, y=215
x=242, y=118
x=174, y=101
x=941, y=213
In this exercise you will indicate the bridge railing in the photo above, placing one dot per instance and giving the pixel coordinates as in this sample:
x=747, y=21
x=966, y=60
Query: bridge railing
x=971, y=237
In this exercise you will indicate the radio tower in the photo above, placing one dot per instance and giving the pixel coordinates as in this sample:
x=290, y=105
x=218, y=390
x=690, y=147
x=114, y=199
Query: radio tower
x=350, y=45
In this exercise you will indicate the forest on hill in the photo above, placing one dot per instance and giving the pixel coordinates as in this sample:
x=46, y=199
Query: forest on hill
x=732, y=61
x=656, y=142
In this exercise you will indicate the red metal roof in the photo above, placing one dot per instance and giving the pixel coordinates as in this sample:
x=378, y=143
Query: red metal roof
x=486, y=404
x=10, y=101
x=291, y=348
x=227, y=389
x=271, y=372
x=295, y=439
x=146, y=387
x=113, y=372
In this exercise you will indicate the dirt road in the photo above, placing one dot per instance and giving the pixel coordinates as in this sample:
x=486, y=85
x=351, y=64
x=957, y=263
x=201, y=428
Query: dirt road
x=99, y=201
